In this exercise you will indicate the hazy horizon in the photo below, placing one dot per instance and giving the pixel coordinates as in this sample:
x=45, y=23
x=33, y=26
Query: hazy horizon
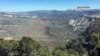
x=32, y=5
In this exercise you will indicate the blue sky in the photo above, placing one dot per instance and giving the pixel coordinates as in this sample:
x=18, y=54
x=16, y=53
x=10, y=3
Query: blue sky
x=30, y=5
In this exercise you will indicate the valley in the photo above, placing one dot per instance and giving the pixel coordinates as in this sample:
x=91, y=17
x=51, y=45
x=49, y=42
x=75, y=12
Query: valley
x=52, y=28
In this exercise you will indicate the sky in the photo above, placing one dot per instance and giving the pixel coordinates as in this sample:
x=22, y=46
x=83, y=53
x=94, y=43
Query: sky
x=30, y=5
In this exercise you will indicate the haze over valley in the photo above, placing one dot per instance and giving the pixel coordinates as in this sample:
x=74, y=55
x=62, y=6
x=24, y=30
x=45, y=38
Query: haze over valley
x=46, y=26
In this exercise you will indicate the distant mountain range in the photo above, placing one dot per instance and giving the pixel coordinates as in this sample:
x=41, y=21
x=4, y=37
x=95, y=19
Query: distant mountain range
x=54, y=14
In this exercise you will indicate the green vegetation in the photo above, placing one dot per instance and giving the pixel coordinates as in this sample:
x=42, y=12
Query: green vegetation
x=28, y=47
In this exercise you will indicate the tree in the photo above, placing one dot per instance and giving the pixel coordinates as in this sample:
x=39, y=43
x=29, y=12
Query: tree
x=8, y=48
x=28, y=47
x=44, y=51
x=64, y=52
